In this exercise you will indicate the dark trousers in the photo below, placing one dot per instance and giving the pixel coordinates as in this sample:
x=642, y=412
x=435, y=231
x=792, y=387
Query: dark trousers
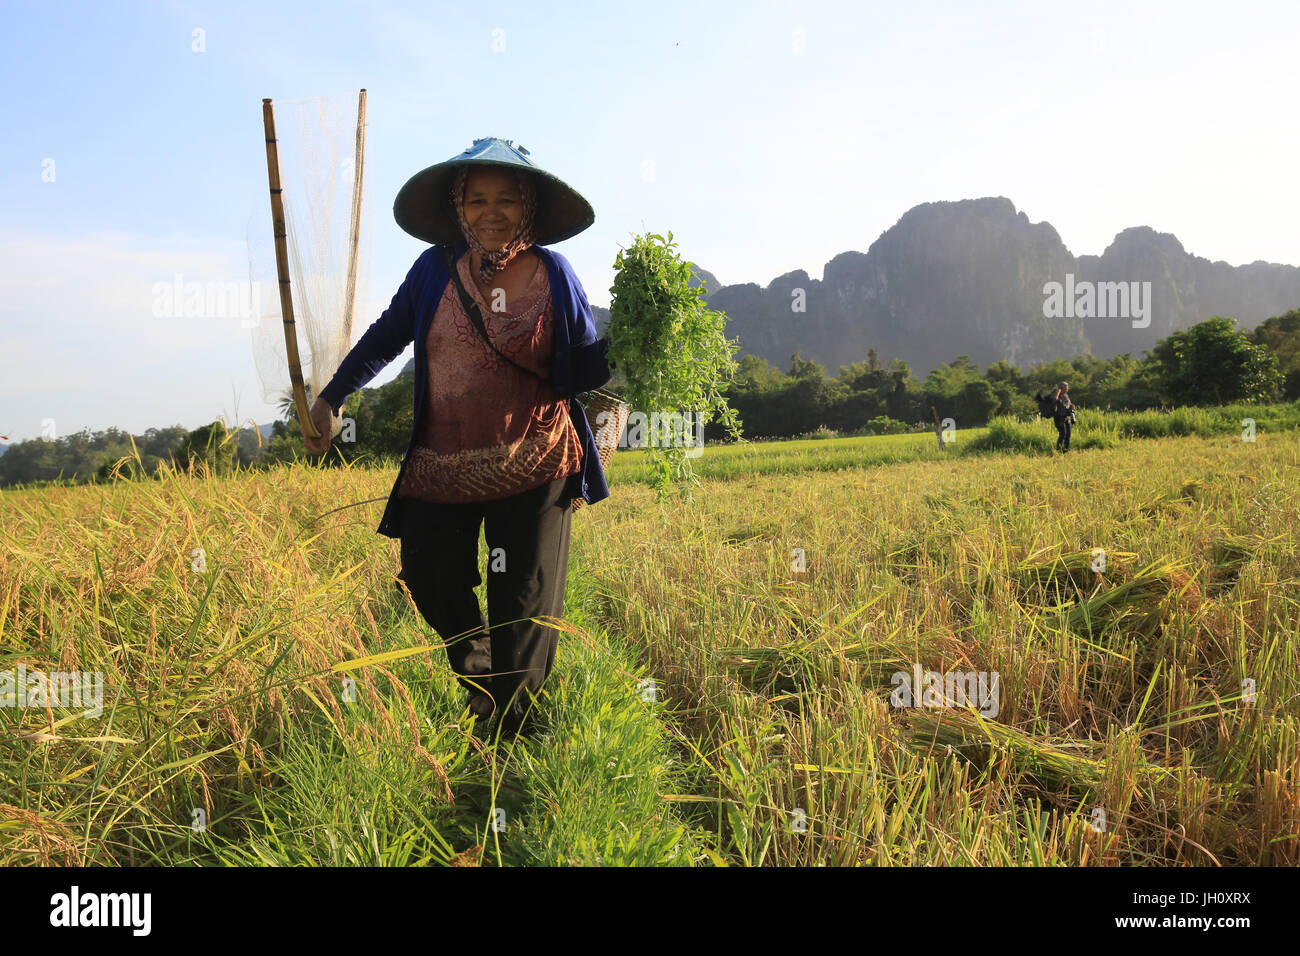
x=528, y=557
x=1063, y=434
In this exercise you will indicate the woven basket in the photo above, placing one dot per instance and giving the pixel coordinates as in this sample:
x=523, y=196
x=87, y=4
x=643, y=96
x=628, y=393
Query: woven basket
x=607, y=433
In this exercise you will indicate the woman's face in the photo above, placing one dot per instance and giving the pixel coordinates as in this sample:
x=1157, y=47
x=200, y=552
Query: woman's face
x=494, y=210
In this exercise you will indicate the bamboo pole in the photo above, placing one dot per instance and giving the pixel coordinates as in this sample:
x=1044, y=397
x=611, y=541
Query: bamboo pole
x=349, y=298
x=282, y=269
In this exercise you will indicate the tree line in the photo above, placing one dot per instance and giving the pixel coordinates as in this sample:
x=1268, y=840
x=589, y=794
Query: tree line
x=1210, y=363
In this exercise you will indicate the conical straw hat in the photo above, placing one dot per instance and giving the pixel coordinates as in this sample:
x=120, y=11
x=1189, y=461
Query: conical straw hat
x=423, y=206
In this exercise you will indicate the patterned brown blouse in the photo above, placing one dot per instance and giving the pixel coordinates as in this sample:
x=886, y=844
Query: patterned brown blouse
x=491, y=430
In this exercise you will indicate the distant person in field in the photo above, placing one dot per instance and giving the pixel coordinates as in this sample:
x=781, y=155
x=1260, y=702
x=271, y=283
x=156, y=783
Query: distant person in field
x=499, y=439
x=1063, y=415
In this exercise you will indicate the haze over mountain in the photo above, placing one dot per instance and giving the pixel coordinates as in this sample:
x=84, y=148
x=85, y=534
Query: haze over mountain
x=968, y=277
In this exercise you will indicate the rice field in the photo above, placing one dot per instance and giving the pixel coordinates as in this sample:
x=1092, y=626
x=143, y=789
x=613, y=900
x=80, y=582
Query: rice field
x=727, y=690
x=795, y=457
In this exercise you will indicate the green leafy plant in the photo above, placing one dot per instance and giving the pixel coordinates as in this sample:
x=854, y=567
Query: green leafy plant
x=672, y=351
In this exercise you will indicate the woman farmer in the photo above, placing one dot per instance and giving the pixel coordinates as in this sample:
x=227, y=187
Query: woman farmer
x=1063, y=415
x=499, y=439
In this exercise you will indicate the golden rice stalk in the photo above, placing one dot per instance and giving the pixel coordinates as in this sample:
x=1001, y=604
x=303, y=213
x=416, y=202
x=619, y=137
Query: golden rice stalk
x=1229, y=553
x=31, y=837
x=1072, y=763
x=1070, y=576
x=1141, y=604
x=807, y=663
x=1187, y=493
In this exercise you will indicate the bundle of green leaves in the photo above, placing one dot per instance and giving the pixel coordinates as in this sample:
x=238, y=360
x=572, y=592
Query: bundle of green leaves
x=672, y=351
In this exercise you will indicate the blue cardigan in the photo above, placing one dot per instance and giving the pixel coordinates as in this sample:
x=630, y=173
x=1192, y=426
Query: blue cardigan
x=579, y=365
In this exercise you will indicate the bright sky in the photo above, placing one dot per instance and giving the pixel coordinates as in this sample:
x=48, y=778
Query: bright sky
x=766, y=136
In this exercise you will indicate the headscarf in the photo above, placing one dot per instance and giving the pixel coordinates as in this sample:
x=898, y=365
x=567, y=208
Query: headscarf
x=492, y=262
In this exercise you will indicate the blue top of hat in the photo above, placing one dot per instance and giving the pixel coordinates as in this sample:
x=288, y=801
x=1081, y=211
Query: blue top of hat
x=493, y=150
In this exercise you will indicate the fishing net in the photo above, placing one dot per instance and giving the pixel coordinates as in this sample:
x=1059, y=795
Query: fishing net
x=327, y=223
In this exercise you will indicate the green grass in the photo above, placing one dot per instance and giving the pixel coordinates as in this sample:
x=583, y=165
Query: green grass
x=747, y=459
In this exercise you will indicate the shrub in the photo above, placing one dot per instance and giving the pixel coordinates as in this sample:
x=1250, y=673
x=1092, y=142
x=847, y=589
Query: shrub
x=821, y=432
x=1007, y=434
x=884, y=425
